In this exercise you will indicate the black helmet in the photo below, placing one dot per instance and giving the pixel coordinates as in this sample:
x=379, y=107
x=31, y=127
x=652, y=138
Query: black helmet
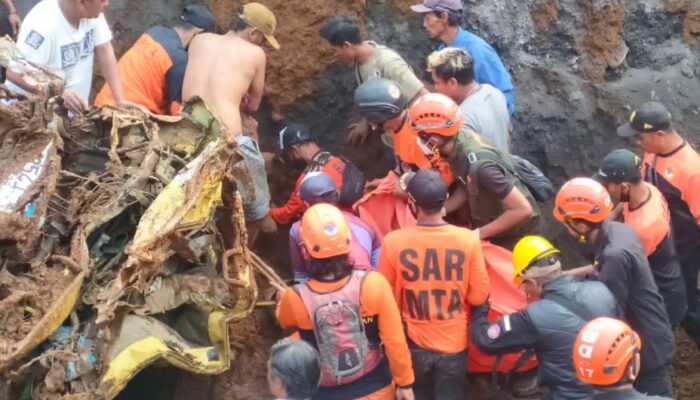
x=294, y=134
x=379, y=99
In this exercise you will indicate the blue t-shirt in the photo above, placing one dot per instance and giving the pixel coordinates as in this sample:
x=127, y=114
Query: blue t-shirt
x=488, y=67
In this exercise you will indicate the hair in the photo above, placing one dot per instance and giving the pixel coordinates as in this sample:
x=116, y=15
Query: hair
x=238, y=23
x=451, y=63
x=340, y=29
x=337, y=267
x=296, y=363
x=454, y=18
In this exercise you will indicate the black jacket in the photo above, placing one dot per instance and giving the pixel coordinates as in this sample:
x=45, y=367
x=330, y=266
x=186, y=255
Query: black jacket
x=622, y=265
x=549, y=327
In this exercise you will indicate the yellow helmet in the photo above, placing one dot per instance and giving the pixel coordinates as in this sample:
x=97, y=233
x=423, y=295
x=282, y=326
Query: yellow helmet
x=528, y=250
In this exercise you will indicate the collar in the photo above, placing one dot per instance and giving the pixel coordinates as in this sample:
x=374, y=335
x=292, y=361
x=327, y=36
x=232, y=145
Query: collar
x=644, y=202
x=556, y=284
x=674, y=151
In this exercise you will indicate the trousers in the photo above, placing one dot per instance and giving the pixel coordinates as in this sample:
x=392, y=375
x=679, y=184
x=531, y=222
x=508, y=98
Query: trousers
x=690, y=266
x=439, y=376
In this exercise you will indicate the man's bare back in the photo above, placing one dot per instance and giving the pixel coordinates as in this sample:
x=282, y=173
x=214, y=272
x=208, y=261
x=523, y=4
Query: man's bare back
x=222, y=69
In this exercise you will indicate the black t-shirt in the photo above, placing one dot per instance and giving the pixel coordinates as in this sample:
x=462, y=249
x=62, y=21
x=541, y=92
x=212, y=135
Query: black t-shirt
x=494, y=179
x=629, y=394
x=623, y=266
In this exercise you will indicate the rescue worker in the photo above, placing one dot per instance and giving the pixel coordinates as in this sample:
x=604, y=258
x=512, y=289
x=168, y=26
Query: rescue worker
x=382, y=103
x=67, y=35
x=558, y=307
x=442, y=20
x=482, y=106
x=212, y=76
x=293, y=371
x=153, y=69
x=365, y=355
x=583, y=207
x=645, y=210
x=299, y=147
x=371, y=60
x=436, y=271
x=316, y=188
x=501, y=207
x=673, y=166
x=606, y=356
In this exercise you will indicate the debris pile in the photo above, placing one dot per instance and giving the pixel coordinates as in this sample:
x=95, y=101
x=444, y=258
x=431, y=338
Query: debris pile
x=123, y=243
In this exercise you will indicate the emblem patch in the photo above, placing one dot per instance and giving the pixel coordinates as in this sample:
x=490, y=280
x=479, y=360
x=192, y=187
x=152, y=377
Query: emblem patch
x=494, y=331
x=34, y=39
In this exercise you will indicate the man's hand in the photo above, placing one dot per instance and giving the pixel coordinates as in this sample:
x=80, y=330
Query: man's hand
x=132, y=105
x=268, y=226
x=404, y=394
x=358, y=132
x=15, y=22
x=73, y=102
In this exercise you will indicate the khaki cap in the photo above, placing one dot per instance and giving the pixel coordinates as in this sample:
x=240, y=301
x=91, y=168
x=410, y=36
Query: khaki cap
x=261, y=18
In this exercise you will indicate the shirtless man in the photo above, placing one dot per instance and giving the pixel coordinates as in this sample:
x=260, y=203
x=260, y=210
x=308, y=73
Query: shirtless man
x=223, y=69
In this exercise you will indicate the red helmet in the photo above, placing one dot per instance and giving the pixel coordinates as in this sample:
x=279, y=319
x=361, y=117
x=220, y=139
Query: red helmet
x=603, y=349
x=435, y=114
x=582, y=198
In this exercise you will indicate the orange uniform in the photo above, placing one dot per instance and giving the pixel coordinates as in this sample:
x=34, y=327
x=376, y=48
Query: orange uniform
x=436, y=274
x=677, y=176
x=651, y=220
x=152, y=72
x=407, y=150
x=382, y=324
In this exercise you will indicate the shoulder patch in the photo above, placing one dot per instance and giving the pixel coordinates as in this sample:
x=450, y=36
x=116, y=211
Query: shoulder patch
x=34, y=39
x=494, y=331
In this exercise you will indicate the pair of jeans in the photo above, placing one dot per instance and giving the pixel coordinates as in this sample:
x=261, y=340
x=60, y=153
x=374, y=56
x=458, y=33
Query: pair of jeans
x=439, y=376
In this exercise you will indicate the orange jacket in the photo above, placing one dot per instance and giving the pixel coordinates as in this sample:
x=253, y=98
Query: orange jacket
x=152, y=72
x=437, y=273
x=295, y=206
x=407, y=150
x=376, y=305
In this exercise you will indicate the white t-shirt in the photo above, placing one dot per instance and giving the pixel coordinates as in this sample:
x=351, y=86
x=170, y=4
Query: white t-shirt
x=486, y=113
x=46, y=37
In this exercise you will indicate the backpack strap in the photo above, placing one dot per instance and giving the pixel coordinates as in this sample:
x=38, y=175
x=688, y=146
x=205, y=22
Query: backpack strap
x=477, y=159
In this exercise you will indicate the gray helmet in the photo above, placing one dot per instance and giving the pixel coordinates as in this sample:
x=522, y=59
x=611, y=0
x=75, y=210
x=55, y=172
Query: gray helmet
x=379, y=99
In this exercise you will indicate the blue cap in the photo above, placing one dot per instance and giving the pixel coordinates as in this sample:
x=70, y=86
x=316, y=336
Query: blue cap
x=315, y=186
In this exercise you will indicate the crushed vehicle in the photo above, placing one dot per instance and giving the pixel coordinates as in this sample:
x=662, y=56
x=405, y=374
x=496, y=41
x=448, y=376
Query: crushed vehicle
x=123, y=244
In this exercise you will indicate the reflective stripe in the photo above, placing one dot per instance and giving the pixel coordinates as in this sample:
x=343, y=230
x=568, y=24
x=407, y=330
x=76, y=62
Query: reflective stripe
x=506, y=323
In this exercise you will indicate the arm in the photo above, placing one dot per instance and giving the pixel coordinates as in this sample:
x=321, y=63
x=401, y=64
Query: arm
x=511, y=333
x=391, y=331
x=516, y=207
x=12, y=17
x=478, y=278
x=294, y=206
x=614, y=272
x=295, y=256
x=285, y=310
x=457, y=198
x=376, y=250
x=418, y=95
x=580, y=272
x=108, y=65
x=398, y=70
x=173, y=86
x=257, y=86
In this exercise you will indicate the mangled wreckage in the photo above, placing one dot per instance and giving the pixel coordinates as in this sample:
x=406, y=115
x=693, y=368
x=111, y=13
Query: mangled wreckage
x=122, y=244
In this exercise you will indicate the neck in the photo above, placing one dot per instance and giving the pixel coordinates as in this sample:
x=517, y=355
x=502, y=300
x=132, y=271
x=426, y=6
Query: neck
x=672, y=141
x=638, y=193
x=364, y=52
x=449, y=35
x=465, y=91
x=70, y=12
x=433, y=219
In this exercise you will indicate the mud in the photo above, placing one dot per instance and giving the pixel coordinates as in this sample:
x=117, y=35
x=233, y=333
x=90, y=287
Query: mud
x=25, y=296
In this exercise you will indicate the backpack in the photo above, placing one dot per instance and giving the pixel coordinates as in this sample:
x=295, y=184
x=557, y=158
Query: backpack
x=346, y=353
x=540, y=186
x=353, y=184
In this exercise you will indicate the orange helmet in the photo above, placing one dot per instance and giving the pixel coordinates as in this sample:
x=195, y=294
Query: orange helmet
x=325, y=232
x=603, y=349
x=436, y=114
x=582, y=198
